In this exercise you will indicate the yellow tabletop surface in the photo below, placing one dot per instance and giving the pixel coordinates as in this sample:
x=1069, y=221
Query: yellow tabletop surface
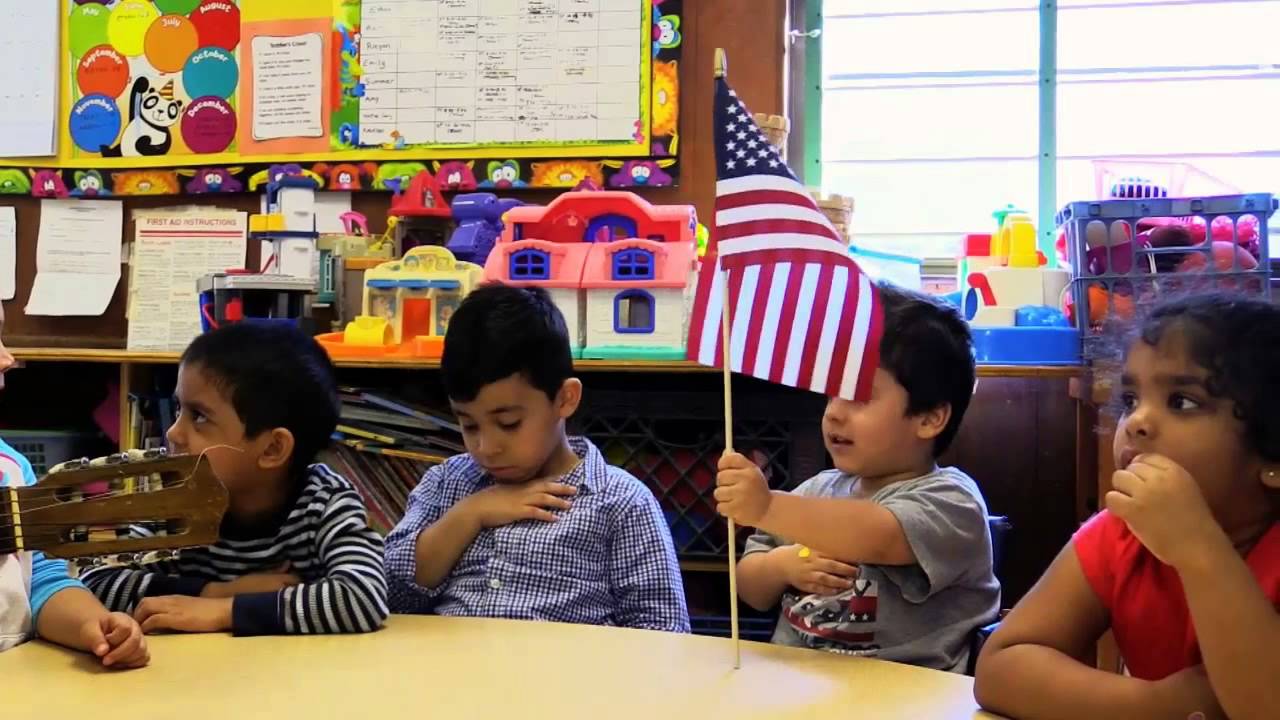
x=463, y=668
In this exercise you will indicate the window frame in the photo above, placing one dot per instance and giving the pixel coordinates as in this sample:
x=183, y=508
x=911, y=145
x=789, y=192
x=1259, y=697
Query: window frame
x=627, y=259
x=629, y=294
x=522, y=273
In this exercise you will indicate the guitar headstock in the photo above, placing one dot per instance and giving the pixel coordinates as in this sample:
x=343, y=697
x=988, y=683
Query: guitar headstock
x=69, y=514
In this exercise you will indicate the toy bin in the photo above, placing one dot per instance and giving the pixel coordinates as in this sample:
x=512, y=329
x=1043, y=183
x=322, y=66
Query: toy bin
x=1126, y=254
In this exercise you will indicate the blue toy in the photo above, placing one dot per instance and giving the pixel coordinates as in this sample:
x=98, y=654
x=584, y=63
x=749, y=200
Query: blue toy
x=1040, y=316
x=479, y=218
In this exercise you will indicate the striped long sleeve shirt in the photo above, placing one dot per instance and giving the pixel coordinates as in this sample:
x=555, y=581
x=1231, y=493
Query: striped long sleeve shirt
x=326, y=540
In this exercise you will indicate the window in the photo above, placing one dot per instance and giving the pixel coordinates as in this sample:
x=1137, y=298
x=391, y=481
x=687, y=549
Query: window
x=633, y=312
x=931, y=107
x=633, y=265
x=610, y=227
x=530, y=265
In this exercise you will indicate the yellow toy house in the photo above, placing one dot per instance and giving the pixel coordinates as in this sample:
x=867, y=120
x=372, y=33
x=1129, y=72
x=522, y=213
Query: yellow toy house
x=407, y=306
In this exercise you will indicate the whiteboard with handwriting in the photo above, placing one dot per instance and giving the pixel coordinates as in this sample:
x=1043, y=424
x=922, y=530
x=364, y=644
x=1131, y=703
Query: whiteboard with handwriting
x=500, y=72
x=29, y=38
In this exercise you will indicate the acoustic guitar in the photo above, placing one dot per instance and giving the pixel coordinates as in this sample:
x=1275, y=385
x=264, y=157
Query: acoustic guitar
x=95, y=509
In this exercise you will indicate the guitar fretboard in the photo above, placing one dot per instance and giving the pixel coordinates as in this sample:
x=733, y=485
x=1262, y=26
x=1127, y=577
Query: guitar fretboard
x=10, y=519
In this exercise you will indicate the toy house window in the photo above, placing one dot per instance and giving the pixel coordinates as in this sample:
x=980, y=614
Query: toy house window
x=610, y=227
x=633, y=265
x=530, y=265
x=633, y=312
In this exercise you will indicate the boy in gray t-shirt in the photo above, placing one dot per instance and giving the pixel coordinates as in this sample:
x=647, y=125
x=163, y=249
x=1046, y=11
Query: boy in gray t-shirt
x=887, y=555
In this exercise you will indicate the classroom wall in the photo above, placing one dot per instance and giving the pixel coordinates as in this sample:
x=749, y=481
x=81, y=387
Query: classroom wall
x=751, y=31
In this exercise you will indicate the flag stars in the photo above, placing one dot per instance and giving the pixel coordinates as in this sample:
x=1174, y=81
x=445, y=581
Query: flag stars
x=731, y=146
x=764, y=152
x=732, y=164
x=730, y=128
x=751, y=162
x=753, y=144
x=774, y=163
x=742, y=135
x=741, y=153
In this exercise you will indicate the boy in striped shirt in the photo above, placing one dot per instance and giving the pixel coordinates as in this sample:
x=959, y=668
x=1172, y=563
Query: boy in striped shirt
x=295, y=554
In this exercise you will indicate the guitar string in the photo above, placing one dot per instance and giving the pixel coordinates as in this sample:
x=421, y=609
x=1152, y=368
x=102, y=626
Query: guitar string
x=114, y=493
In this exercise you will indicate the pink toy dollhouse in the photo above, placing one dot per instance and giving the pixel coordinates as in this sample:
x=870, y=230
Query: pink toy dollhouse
x=619, y=269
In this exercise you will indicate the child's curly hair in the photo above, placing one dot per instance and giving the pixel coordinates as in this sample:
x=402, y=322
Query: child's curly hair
x=1236, y=339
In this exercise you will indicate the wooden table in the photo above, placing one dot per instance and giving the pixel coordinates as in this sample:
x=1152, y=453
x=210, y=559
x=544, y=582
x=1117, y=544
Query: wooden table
x=462, y=669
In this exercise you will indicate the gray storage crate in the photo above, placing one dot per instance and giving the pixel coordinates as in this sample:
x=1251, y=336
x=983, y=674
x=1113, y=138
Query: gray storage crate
x=1114, y=277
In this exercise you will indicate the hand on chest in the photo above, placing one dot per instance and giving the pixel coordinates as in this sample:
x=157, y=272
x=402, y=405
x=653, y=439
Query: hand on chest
x=576, y=545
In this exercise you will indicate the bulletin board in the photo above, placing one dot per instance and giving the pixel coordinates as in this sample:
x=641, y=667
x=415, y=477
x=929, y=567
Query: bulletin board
x=167, y=97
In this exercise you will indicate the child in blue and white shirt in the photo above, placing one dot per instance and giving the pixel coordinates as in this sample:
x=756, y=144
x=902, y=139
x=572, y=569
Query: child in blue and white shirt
x=38, y=597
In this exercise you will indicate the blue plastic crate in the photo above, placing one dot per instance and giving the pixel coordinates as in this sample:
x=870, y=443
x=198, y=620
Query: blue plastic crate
x=1126, y=276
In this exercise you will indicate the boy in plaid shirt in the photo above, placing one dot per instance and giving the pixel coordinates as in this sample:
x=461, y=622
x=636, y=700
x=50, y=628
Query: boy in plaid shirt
x=529, y=524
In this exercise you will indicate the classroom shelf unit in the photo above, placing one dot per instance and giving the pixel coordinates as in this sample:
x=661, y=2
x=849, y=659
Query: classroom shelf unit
x=130, y=357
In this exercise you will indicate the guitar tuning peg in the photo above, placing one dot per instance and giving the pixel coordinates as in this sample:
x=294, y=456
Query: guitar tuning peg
x=75, y=464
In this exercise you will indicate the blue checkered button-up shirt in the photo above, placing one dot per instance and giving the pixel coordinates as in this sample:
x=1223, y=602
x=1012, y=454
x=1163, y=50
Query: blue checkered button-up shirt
x=609, y=559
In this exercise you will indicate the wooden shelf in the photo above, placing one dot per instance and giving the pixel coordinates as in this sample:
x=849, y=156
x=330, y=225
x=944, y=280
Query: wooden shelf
x=90, y=355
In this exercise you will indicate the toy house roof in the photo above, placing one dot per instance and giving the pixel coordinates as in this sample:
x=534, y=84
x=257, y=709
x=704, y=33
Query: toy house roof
x=410, y=202
x=571, y=217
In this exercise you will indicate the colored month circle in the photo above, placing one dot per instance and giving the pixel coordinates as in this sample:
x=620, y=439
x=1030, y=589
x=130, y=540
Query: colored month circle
x=208, y=125
x=218, y=22
x=176, y=7
x=127, y=28
x=169, y=42
x=102, y=71
x=95, y=123
x=210, y=71
x=87, y=28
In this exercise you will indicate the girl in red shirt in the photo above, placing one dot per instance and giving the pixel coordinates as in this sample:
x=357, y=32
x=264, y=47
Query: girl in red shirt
x=1184, y=564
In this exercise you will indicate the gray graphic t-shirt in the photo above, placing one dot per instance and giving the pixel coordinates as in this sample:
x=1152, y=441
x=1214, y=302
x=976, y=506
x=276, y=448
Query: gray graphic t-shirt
x=922, y=614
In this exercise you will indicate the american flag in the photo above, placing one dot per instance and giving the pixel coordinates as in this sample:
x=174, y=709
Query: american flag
x=801, y=311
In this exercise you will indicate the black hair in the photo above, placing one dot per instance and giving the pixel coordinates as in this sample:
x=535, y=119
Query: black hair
x=927, y=348
x=499, y=331
x=1236, y=339
x=275, y=376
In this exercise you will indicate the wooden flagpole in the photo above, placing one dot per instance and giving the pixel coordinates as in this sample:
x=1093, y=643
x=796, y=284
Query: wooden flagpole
x=722, y=68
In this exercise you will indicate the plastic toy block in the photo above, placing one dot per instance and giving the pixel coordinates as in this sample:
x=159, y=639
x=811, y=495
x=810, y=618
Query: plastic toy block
x=273, y=222
x=977, y=245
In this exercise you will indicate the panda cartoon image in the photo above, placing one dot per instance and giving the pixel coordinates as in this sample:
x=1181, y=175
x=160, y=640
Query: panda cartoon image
x=152, y=112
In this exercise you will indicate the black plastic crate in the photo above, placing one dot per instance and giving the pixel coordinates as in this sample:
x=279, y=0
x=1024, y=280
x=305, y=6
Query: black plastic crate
x=672, y=441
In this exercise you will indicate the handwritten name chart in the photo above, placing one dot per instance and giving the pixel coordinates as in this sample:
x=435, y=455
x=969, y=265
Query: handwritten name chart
x=492, y=72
